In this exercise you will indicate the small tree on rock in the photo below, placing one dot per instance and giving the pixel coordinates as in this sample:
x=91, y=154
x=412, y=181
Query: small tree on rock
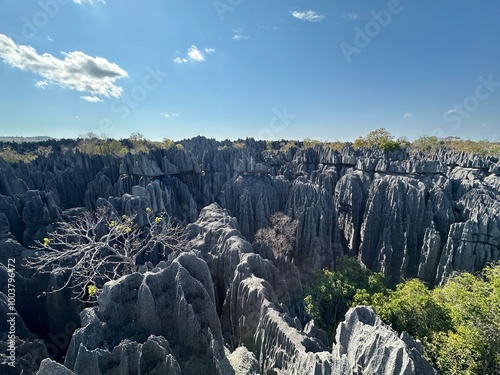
x=101, y=246
x=280, y=235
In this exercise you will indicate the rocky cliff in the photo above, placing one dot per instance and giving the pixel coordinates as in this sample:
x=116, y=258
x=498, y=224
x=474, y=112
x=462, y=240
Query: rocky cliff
x=227, y=306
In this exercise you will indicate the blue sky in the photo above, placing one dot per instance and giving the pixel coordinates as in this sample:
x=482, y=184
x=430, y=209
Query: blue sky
x=328, y=70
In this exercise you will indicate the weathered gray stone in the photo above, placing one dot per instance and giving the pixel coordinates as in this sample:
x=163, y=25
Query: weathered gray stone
x=371, y=347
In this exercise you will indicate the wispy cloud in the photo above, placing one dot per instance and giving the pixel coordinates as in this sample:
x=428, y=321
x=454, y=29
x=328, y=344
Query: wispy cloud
x=91, y=99
x=41, y=84
x=180, y=60
x=309, y=15
x=451, y=111
x=407, y=115
x=351, y=16
x=238, y=34
x=240, y=37
x=168, y=115
x=77, y=71
x=91, y=2
x=49, y=38
x=209, y=50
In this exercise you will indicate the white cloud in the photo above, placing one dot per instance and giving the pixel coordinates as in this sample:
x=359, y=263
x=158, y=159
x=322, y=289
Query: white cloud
x=91, y=2
x=167, y=115
x=77, y=71
x=180, y=60
x=41, y=84
x=407, y=115
x=91, y=99
x=240, y=37
x=451, y=111
x=351, y=16
x=195, y=54
x=77, y=117
x=49, y=38
x=238, y=34
x=309, y=15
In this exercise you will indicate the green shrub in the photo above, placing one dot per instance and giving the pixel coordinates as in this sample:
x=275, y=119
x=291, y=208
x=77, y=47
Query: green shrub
x=330, y=293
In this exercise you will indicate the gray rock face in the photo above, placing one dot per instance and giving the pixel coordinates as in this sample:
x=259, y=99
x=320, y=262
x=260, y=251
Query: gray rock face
x=50, y=367
x=253, y=199
x=29, y=351
x=475, y=241
x=177, y=303
x=221, y=245
x=350, y=197
x=401, y=213
x=244, y=362
x=371, y=347
x=318, y=239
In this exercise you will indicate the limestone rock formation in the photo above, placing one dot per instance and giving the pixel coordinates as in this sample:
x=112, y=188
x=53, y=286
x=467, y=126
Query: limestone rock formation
x=371, y=347
x=233, y=306
x=169, y=316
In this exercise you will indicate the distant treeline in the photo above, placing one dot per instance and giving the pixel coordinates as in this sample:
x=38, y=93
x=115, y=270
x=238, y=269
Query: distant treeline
x=26, y=149
x=19, y=139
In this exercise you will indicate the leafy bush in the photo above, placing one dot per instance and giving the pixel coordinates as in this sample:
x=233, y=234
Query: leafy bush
x=412, y=308
x=308, y=142
x=239, y=145
x=459, y=323
x=330, y=293
x=380, y=138
x=287, y=146
x=12, y=156
x=388, y=145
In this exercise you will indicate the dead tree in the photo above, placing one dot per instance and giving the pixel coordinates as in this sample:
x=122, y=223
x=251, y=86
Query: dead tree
x=101, y=246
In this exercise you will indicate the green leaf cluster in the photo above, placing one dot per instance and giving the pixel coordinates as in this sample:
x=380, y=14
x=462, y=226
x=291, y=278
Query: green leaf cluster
x=330, y=293
x=458, y=322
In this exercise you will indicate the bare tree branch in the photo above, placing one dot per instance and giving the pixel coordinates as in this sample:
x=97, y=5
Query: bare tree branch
x=101, y=246
x=280, y=235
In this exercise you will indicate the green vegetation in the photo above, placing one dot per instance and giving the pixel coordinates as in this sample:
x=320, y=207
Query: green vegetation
x=380, y=138
x=240, y=145
x=308, y=142
x=458, y=323
x=330, y=293
x=384, y=140
x=429, y=145
x=287, y=146
x=12, y=156
x=91, y=144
